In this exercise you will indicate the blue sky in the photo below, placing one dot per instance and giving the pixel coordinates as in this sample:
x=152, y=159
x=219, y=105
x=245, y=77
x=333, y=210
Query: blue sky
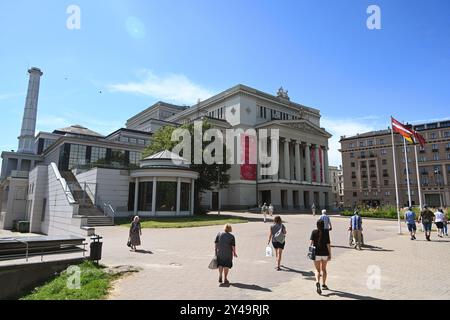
x=138, y=52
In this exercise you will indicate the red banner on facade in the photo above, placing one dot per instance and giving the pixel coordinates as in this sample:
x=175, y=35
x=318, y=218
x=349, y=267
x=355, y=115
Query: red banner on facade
x=248, y=170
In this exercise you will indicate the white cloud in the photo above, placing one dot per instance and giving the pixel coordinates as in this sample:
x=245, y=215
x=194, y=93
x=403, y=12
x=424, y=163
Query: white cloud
x=175, y=88
x=347, y=127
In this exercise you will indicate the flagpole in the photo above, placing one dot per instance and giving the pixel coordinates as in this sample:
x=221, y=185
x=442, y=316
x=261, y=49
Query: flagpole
x=396, y=184
x=407, y=174
x=419, y=187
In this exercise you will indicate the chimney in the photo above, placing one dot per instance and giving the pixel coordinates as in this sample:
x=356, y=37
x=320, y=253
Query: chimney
x=26, y=139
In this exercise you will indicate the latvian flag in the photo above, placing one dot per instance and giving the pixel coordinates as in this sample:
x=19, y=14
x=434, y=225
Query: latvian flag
x=400, y=128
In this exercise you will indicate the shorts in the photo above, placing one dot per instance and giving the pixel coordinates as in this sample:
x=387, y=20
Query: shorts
x=427, y=226
x=278, y=245
x=321, y=258
x=439, y=225
x=412, y=227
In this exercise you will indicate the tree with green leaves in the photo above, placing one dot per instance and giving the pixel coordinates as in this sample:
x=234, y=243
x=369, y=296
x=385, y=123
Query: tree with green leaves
x=210, y=175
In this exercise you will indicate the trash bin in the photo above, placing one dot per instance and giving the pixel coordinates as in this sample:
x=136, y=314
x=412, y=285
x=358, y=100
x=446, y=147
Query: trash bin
x=96, y=248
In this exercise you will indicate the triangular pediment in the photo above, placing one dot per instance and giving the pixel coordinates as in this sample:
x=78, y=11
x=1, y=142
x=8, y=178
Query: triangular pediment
x=302, y=125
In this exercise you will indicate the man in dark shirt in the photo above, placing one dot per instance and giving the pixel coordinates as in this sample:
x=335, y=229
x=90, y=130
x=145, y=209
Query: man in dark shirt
x=426, y=217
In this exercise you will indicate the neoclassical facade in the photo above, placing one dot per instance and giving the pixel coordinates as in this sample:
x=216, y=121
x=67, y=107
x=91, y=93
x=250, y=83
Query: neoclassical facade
x=302, y=178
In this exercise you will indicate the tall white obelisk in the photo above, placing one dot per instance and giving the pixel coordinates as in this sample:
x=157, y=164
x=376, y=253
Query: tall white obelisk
x=26, y=139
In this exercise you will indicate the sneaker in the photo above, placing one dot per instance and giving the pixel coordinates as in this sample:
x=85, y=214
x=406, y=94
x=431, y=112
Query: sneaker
x=325, y=287
x=220, y=280
x=319, y=291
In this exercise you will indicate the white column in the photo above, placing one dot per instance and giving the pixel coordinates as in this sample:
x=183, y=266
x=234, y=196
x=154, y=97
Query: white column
x=287, y=174
x=192, y=196
x=308, y=162
x=274, y=151
x=19, y=165
x=298, y=175
x=326, y=166
x=154, y=197
x=178, y=194
x=136, y=196
x=317, y=160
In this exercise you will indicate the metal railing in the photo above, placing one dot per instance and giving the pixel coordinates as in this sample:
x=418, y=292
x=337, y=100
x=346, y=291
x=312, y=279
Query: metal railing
x=40, y=251
x=109, y=211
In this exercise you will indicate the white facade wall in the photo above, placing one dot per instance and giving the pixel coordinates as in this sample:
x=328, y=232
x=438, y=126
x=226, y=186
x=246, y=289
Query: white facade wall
x=38, y=191
x=61, y=216
x=111, y=186
x=14, y=204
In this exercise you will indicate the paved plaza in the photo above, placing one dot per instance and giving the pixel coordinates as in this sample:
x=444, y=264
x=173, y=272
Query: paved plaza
x=174, y=263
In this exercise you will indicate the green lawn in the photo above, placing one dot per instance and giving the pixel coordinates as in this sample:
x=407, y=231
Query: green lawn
x=94, y=285
x=185, y=222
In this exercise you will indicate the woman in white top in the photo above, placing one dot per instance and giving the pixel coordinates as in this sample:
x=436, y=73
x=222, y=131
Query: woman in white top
x=271, y=210
x=439, y=220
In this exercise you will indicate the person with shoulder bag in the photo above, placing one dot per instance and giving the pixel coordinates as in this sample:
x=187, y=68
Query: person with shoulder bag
x=320, y=252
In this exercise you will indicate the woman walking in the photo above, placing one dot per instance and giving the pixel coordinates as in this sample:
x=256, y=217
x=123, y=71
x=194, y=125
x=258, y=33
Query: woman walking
x=225, y=251
x=135, y=233
x=439, y=220
x=321, y=241
x=278, y=237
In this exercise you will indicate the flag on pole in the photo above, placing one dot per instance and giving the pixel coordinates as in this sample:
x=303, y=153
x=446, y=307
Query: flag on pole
x=419, y=138
x=401, y=129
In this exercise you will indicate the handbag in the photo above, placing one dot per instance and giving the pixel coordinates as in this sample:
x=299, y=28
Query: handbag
x=269, y=251
x=213, y=264
x=312, y=253
x=129, y=243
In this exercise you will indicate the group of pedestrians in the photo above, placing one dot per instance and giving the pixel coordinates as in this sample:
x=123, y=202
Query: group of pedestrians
x=225, y=248
x=427, y=217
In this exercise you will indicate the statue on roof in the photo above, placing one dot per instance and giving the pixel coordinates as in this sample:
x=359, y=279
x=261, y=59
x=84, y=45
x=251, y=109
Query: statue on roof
x=283, y=93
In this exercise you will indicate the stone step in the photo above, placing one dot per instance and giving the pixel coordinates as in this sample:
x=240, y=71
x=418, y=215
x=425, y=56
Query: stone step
x=95, y=221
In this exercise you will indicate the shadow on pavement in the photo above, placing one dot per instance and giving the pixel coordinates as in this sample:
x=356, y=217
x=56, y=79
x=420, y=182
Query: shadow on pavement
x=375, y=248
x=348, y=295
x=144, y=251
x=303, y=273
x=364, y=247
x=249, y=287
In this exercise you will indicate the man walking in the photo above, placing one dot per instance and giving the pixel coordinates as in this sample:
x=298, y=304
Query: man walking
x=410, y=219
x=313, y=209
x=326, y=222
x=356, y=229
x=426, y=217
x=264, y=211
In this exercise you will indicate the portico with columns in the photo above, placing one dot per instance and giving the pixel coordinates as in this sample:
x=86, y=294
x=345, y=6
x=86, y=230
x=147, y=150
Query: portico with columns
x=302, y=178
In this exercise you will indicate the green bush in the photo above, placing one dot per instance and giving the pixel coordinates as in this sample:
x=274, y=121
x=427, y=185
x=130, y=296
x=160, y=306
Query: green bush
x=388, y=212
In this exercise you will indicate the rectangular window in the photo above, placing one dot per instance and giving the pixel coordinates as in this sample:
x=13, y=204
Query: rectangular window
x=77, y=156
x=166, y=196
x=383, y=152
x=44, y=205
x=98, y=155
x=185, y=197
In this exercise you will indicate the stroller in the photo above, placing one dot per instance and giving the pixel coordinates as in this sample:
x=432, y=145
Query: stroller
x=350, y=239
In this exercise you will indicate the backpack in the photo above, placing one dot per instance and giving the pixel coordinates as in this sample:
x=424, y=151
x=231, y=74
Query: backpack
x=279, y=236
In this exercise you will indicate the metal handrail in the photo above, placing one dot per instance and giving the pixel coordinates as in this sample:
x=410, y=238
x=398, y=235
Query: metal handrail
x=110, y=209
x=69, y=249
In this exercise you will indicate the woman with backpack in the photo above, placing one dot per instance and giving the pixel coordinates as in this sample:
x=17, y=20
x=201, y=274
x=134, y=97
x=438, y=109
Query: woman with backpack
x=321, y=241
x=278, y=236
